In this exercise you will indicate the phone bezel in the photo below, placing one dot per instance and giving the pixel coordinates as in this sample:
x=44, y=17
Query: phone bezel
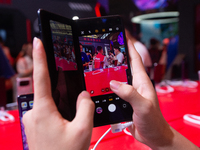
x=44, y=18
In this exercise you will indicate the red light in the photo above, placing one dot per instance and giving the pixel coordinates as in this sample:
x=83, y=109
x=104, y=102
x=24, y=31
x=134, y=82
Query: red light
x=97, y=9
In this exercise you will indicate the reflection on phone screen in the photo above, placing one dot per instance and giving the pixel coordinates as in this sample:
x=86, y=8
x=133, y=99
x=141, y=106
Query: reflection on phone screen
x=62, y=39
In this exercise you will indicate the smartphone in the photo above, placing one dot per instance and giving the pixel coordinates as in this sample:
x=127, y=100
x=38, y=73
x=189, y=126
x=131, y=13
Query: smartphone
x=25, y=103
x=67, y=43
x=104, y=39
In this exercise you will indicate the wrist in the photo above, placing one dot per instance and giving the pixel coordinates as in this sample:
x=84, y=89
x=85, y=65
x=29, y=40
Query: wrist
x=172, y=139
x=164, y=139
x=160, y=136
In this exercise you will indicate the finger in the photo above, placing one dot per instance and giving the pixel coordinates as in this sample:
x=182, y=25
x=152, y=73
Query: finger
x=42, y=86
x=26, y=118
x=132, y=129
x=137, y=67
x=135, y=59
x=82, y=95
x=85, y=110
x=127, y=93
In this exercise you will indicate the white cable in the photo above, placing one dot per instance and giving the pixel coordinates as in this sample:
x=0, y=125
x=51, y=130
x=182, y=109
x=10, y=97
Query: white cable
x=115, y=128
x=126, y=132
x=169, y=89
x=186, y=83
x=101, y=139
x=192, y=118
x=174, y=83
x=4, y=116
x=190, y=84
x=119, y=126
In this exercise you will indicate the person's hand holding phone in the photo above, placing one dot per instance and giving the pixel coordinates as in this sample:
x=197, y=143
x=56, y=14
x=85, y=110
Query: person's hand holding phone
x=149, y=125
x=44, y=126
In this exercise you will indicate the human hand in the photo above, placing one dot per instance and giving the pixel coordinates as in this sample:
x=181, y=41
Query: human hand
x=149, y=125
x=44, y=126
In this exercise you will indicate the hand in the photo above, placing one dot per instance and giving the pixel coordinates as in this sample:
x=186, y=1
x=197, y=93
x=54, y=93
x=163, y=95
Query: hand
x=149, y=125
x=44, y=126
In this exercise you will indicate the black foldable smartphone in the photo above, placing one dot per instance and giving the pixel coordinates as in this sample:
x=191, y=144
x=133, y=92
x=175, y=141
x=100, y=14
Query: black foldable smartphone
x=25, y=103
x=86, y=54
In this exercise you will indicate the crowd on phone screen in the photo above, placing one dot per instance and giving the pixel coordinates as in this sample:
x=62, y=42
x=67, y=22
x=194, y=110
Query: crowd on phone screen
x=100, y=60
x=64, y=50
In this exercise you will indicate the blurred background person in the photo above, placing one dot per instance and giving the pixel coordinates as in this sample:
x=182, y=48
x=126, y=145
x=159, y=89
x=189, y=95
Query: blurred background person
x=141, y=49
x=172, y=50
x=6, y=72
x=154, y=50
x=85, y=59
x=89, y=56
x=6, y=51
x=21, y=53
x=24, y=64
x=111, y=57
x=163, y=59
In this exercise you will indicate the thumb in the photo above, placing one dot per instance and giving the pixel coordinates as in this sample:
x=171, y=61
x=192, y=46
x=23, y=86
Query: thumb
x=127, y=93
x=85, y=109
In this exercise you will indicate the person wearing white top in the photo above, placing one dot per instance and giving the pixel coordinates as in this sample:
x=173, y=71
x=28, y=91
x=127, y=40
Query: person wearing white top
x=141, y=49
x=120, y=58
x=24, y=64
x=118, y=55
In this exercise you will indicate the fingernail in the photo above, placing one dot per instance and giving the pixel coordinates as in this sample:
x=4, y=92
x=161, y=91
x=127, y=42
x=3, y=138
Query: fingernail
x=115, y=84
x=35, y=42
x=85, y=94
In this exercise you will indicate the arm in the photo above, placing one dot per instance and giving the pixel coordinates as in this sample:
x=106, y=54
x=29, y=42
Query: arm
x=86, y=64
x=44, y=126
x=149, y=126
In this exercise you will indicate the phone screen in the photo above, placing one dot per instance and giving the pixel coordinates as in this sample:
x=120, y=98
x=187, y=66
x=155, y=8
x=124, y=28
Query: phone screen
x=65, y=73
x=104, y=58
x=25, y=103
x=63, y=45
x=104, y=64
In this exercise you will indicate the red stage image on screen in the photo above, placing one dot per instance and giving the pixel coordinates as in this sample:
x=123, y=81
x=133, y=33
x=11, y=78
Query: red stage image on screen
x=106, y=61
x=63, y=46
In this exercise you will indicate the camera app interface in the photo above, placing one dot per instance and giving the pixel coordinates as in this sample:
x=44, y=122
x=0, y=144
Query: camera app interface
x=62, y=39
x=103, y=58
